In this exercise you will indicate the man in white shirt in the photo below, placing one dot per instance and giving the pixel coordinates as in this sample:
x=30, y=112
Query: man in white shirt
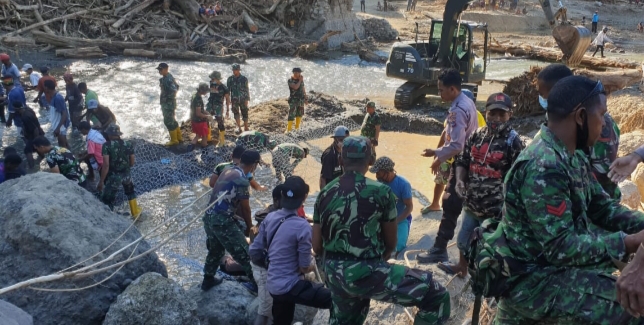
x=601, y=40
x=34, y=76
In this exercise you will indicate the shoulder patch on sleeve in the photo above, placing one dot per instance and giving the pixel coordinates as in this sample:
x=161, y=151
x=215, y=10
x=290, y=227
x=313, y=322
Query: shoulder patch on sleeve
x=557, y=211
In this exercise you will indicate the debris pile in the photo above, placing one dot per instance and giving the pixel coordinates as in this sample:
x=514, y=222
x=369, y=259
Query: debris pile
x=523, y=91
x=627, y=108
x=379, y=29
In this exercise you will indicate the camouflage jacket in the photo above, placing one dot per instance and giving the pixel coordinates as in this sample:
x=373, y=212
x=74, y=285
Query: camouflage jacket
x=557, y=214
x=67, y=164
x=238, y=88
x=169, y=88
x=253, y=140
x=291, y=150
x=349, y=210
x=487, y=157
x=217, y=94
x=196, y=103
x=369, y=124
x=233, y=184
x=603, y=154
x=298, y=93
x=119, y=152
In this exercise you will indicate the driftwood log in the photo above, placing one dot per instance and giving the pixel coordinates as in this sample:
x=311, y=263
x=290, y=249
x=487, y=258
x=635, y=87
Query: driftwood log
x=18, y=41
x=106, y=45
x=370, y=56
x=81, y=53
x=307, y=50
x=185, y=55
x=252, y=27
x=613, y=80
x=164, y=33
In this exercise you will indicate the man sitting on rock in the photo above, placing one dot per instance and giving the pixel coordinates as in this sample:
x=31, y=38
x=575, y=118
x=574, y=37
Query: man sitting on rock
x=286, y=238
x=60, y=160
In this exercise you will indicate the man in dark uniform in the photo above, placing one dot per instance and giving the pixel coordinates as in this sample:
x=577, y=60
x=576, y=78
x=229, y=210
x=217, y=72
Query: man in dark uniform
x=238, y=86
x=218, y=91
x=296, y=99
x=169, y=88
x=332, y=157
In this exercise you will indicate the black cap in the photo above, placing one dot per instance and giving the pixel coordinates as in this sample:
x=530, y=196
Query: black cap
x=238, y=151
x=250, y=157
x=17, y=105
x=277, y=192
x=498, y=101
x=297, y=70
x=44, y=69
x=294, y=191
x=162, y=66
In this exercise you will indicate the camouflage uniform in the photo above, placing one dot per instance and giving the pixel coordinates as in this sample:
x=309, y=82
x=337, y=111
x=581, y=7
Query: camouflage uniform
x=369, y=124
x=254, y=140
x=169, y=90
x=238, y=95
x=66, y=162
x=216, y=103
x=353, y=245
x=296, y=100
x=282, y=155
x=603, y=154
x=565, y=231
x=223, y=232
x=119, y=152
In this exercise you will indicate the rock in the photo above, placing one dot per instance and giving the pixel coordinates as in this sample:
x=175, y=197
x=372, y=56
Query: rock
x=630, y=194
x=328, y=16
x=153, y=299
x=47, y=224
x=379, y=29
x=12, y=315
x=609, y=46
x=225, y=304
x=637, y=177
x=303, y=314
x=629, y=142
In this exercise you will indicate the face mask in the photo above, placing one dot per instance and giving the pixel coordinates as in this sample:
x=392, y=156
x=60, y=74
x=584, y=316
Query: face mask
x=543, y=102
x=496, y=126
x=582, y=135
x=340, y=144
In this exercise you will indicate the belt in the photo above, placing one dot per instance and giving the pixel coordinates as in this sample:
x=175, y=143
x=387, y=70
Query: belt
x=349, y=257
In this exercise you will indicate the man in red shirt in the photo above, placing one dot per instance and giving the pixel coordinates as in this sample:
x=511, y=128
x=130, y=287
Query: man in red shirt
x=41, y=85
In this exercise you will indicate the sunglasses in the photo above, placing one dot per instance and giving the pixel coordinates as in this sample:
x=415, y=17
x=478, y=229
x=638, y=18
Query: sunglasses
x=599, y=89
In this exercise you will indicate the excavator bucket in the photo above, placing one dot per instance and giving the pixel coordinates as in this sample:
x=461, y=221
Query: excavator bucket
x=573, y=42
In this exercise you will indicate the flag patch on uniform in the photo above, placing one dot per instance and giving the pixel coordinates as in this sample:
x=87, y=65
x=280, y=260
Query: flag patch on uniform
x=557, y=211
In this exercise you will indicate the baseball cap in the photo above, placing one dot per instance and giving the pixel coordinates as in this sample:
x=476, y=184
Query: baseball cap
x=294, y=191
x=250, y=157
x=340, y=131
x=383, y=163
x=27, y=66
x=236, y=67
x=44, y=69
x=113, y=129
x=238, y=151
x=162, y=65
x=92, y=104
x=354, y=147
x=498, y=101
x=215, y=75
x=371, y=104
x=203, y=87
x=277, y=192
x=4, y=57
x=297, y=70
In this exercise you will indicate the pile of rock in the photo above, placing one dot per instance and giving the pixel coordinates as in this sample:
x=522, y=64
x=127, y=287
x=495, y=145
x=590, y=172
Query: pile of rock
x=379, y=29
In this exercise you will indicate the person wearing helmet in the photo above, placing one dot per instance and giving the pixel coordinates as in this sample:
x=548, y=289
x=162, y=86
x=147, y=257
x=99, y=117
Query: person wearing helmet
x=296, y=100
x=9, y=69
x=169, y=89
x=199, y=118
x=331, y=157
x=239, y=94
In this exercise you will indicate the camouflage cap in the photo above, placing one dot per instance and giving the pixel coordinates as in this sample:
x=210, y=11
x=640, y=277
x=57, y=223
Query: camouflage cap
x=215, y=75
x=371, y=104
x=113, y=129
x=236, y=67
x=384, y=164
x=355, y=147
x=203, y=87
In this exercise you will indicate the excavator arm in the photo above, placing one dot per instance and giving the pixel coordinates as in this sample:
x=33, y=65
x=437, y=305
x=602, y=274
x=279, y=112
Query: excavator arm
x=573, y=41
x=451, y=17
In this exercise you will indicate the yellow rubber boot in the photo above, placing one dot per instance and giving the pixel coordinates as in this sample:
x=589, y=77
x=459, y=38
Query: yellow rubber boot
x=289, y=126
x=135, y=209
x=177, y=132
x=209, y=136
x=173, y=139
x=298, y=120
x=222, y=138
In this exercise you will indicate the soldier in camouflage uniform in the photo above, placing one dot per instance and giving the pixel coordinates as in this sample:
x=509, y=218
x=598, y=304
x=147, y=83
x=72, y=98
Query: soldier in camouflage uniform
x=296, y=100
x=60, y=160
x=371, y=126
x=236, y=157
x=118, y=158
x=218, y=92
x=356, y=246
x=255, y=140
x=558, y=223
x=169, y=88
x=238, y=86
x=487, y=156
x=223, y=232
x=282, y=155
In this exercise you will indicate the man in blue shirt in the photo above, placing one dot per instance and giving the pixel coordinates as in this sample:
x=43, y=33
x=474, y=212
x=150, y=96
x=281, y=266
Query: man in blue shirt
x=385, y=173
x=13, y=94
x=58, y=114
x=9, y=69
x=595, y=21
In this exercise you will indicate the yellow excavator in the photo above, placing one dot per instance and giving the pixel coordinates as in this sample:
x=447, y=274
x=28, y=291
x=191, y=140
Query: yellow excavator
x=449, y=45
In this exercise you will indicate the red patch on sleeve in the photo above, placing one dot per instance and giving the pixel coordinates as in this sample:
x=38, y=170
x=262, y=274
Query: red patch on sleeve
x=557, y=211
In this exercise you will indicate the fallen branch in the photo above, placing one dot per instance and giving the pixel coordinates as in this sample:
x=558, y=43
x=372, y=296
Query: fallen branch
x=81, y=53
x=43, y=23
x=123, y=7
x=134, y=10
x=25, y=8
x=106, y=45
x=252, y=27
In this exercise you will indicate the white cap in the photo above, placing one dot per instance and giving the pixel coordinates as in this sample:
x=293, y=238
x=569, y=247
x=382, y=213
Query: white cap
x=340, y=131
x=92, y=104
x=26, y=67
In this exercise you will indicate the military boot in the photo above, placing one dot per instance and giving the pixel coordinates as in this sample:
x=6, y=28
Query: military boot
x=135, y=209
x=433, y=255
x=298, y=121
x=209, y=136
x=173, y=139
x=177, y=132
x=222, y=138
x=210, y=281
x=289, y=126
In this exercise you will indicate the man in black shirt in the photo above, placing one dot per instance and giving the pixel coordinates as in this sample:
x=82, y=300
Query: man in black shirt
x=74, y=99
x=331, y=157
x=30, y=130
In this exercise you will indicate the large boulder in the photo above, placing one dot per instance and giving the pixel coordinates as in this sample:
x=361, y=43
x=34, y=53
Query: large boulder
x=302, y=314
x=225, y=304
x=630, y=194
x=47, y=224
x=12, y=315
x=380, y=29
x=153, y=299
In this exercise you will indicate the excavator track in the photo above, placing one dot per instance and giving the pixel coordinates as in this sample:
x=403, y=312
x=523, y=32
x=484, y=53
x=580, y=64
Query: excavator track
x=408, y=94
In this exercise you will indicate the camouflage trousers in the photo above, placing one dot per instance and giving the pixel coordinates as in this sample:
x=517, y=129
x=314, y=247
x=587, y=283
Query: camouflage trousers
x=564, y=296
x=354, y=283
x=240, y=106
x=217, y=110
x=112, y=183
x=295, y=108
x=225, y=235
x=168, y=108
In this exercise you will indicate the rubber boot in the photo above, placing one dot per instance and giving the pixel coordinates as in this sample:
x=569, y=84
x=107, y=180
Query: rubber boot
x=177, y=132
x=173, y=139
x=298, y=121
x=222, y=138
x=135, y=209
x=209, y=136
x=289, y=126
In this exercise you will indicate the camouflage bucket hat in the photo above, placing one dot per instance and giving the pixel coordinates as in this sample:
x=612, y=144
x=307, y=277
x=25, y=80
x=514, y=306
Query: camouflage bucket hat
x=203, y=87
x=355, y=147
x=113, y=129
x=382, y=163
x=371, y=104
x=236, y=67
x=215, y=75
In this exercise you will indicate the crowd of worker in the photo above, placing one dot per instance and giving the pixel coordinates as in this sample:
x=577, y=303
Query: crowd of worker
x=551, y=209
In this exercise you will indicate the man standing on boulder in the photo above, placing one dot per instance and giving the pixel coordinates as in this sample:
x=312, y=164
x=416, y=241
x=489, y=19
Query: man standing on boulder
x=462, y=121
x=240, y=95
x=60, y=160
x=356, y=246
x=118, y=158
x=223, y=232
x=296, y=100
x=218, y=92
x=169, y=88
